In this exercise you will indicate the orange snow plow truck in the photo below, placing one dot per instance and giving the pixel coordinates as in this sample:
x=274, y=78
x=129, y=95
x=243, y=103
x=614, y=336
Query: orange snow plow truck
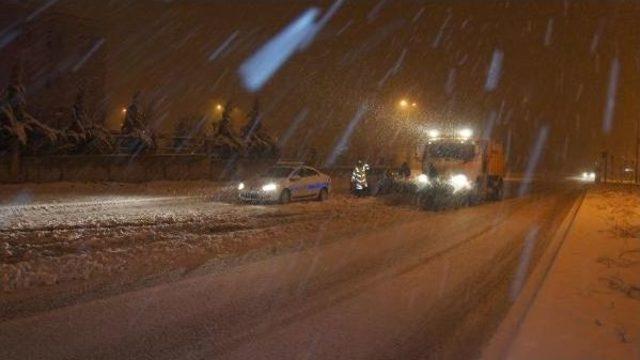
x=456, y=167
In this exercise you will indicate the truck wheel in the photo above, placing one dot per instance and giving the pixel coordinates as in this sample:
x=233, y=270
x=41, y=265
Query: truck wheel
x=498, y=191
x=285, y=196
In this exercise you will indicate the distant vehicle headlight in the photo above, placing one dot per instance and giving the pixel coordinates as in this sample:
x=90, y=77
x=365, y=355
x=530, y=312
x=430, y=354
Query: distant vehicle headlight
x=269, y=187
x=241, y=186
x=423, y=179
x=459, y=182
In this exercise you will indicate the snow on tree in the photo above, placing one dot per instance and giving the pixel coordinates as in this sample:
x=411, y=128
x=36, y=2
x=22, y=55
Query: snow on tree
x=190, y=133
x=225, y=142
x=258, y=143
x=18, y=129
x=137, y=135
x=133, y=116
x=84, y=136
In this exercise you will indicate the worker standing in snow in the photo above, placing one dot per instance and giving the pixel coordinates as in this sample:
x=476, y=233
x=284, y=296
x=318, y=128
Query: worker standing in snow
x=359, y=184
x=404, y=171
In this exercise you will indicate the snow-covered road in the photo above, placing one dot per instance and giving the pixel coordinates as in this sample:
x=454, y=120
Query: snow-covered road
x=343, y=279
x=78, y=243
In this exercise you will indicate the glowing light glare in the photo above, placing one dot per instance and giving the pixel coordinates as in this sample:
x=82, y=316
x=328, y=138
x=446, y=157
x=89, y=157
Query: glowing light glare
x=40, y=10
x=414, y=104
x=96, y=46
x=549, y=32
x=269, y=187
x=423, y=179
x=609, y=109
x=495, y=70
x=342, y=144
x=225, y=44
x=459, y=182
x=257, y=69
x=241, y=186
x=297, y=36
x=219, y=107
x=403, y=103
x=124, y=110
x=465, y=133
x=299, y=119
x=534, y=157
x=588, y=176
x=433, y=133
x=523, y=265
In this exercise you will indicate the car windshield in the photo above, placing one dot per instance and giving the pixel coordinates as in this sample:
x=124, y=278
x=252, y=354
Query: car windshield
x=451, y=150
x=277, y=172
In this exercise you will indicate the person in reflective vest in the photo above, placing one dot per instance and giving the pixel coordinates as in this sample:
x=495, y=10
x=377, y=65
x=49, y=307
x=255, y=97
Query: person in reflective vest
x=359, y=183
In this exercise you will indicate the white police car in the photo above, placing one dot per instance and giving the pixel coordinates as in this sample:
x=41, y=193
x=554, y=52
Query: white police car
x=285, y=182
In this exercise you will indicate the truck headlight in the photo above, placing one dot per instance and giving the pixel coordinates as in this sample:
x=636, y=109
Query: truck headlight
x=241, y=186
x=423, y=179
x=269, y=187
x=459, y=182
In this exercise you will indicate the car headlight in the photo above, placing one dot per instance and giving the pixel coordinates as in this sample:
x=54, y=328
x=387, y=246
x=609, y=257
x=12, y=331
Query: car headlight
x=241, y=186
x=423, y=179
x=459, y=182
x=270, y=187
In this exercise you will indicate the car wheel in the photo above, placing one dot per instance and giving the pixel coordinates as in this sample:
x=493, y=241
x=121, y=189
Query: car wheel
x=323, y=195
x=285, y=196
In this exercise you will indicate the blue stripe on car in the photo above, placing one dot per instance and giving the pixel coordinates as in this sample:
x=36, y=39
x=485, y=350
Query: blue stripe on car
x=316, y=186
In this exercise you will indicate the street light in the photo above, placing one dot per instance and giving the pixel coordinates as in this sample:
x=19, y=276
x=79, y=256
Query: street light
x=218, y=107
x=124, y=110
x=403, y=103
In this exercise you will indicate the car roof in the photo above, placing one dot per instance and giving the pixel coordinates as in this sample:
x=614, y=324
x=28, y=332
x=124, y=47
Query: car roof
x=294, y=167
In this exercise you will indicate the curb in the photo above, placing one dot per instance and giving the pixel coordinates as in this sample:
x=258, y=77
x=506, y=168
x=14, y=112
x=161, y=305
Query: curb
x=502, y=340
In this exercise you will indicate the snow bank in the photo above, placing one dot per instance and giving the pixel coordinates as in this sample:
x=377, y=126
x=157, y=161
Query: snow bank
x=64, y=233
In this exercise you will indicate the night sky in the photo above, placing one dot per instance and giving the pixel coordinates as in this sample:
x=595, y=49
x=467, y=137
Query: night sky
x=560, y=62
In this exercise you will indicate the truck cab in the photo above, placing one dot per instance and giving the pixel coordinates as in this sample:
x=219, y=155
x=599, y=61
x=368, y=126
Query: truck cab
x=464, y=165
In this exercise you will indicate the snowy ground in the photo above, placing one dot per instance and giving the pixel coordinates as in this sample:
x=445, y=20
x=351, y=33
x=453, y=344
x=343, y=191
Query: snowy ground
x=589, y=304
x=345, y=279
x=72, y=238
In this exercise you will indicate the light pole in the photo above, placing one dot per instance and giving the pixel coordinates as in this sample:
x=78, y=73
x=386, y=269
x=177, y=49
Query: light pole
x=407, y=107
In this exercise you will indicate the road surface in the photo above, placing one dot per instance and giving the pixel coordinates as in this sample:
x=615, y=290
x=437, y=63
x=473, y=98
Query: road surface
x=422, y=285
